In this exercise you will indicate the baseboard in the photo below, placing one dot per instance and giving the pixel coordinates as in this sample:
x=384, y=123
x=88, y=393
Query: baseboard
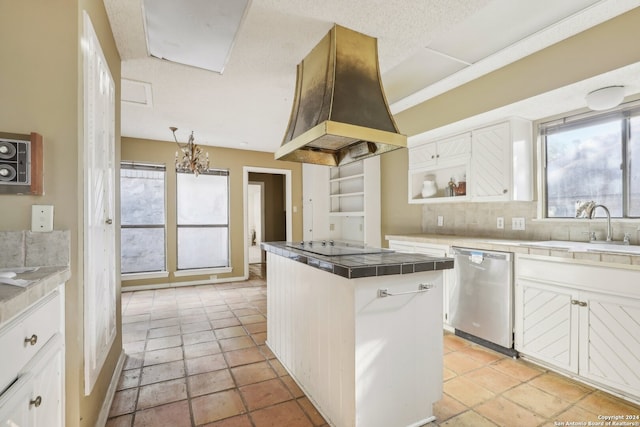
x=111, y=391
x=154, y=286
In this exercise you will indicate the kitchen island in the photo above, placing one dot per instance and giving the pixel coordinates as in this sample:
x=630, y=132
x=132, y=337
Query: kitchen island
x=360, y=330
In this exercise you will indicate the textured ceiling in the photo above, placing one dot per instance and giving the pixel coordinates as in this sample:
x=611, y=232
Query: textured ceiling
x=425, y=47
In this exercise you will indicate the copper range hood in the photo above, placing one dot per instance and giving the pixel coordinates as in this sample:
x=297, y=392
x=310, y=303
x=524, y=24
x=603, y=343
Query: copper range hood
x=340, y=113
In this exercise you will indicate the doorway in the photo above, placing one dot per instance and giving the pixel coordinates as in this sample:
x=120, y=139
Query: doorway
x=267, y=213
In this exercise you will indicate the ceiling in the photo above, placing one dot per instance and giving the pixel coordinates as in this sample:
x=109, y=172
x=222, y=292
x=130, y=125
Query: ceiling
x=426, y=47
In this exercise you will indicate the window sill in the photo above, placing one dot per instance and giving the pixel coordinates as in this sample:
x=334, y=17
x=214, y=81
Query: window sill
x=202, y=271
x=599, y=218
x=140, y=276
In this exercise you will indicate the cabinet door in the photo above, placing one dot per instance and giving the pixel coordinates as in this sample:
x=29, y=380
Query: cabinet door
x=454, y=148
x=423, y=156
x=491, y=162
x=546, y=324
x=610, y=341
x=48, y=390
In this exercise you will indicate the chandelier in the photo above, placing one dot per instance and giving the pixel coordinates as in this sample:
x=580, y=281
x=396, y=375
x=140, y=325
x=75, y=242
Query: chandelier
x=191, y=159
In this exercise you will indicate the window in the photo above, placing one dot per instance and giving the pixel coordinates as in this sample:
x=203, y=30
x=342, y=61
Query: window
x=203, y=219
x=595, y=158
x=142, y=210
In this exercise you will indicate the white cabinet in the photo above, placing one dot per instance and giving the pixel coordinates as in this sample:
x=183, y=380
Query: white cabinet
x=435, y=250
x=501, y=162
x=495, y=162
x=342, y=203
x=32, y=372
x=455, y=149
x=581, y=319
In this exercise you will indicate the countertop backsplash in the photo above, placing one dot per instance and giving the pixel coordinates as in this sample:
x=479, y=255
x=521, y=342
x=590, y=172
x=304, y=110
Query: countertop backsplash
x=28, y=249
x=479, y=220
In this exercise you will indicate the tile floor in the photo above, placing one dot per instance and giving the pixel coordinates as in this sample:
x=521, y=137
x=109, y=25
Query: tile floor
x=196, y=357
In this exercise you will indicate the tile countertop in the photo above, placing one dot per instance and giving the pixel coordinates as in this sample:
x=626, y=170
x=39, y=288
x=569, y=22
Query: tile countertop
x=15, y=299
x=616, y=254
x=359, y=266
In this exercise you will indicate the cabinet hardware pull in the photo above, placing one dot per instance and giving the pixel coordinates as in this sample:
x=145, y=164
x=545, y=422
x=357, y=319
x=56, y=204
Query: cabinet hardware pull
x=109, y=221
x=33, y=339
x=575, y=302
x=36, y=402
x=421, y=288
x=582, y=303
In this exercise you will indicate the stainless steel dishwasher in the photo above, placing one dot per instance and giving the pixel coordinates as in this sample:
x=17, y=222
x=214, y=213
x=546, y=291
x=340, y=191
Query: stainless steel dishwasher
x=481, y=299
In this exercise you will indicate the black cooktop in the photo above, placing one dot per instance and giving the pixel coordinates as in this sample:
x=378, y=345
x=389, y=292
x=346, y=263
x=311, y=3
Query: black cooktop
x=330, y=248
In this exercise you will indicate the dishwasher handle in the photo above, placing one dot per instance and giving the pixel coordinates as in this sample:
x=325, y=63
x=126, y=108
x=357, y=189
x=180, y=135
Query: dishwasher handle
x=505, y=256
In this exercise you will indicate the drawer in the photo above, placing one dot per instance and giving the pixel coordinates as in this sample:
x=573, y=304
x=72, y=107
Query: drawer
x=24, y=336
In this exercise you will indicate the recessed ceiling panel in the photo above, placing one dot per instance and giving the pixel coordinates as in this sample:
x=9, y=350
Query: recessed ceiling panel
x=418, y=71
x=136, y=93
x=199, y=33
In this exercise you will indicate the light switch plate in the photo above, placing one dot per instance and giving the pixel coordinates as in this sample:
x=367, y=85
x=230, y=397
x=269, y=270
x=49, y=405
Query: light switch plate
x=41, y=218
x=517, y=223
x=500, y=223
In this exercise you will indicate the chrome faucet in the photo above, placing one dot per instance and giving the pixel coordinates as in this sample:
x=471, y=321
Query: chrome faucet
x=591, y=209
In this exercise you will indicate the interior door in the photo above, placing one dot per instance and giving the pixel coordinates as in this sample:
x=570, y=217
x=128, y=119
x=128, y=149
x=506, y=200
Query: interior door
x=99, y=201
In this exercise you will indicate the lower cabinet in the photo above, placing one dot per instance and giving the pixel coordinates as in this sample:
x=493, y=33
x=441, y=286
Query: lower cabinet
x=581, y=319
x=32, y=379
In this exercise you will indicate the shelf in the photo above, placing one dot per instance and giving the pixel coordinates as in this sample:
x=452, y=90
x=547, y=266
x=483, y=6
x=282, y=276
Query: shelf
x=355, y=193
x=346, y=178
x=354, y=213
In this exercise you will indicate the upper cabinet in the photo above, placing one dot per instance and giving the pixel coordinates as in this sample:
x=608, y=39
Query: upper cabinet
x=493, y=163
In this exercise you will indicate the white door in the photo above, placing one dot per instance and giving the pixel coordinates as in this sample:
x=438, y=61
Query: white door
x=99, y=200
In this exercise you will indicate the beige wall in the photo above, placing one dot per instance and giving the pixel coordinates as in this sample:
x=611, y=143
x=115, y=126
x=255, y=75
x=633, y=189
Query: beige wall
x=41, y=87
x=608, y=46
x=163, y=152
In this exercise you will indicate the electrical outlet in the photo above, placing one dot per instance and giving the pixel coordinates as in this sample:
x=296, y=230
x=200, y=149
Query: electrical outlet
x=41, y=218
x=440, y=220
x=500, y=223
x=517, y=223
x=332, y=227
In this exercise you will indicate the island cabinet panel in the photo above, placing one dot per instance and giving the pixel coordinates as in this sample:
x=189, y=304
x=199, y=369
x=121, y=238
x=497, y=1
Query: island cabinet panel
x=362, y=359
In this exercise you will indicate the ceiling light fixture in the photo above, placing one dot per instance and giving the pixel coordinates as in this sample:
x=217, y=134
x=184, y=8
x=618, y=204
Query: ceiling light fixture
x=191, y=160
x=605, y=98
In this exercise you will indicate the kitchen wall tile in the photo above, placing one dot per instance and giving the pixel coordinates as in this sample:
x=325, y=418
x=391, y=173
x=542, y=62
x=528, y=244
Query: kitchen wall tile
x=47, y=249
x=12, y=244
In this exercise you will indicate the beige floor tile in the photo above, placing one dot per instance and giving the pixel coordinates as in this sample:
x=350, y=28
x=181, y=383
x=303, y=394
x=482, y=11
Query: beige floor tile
x=195, y=327
x=128, y=379
x=469, y=419
x=255, y=318
x=266, y=351
x=217, y=315
x=212, y=362
x=480, y=354
x=460, y=363
x=259, y=338
x=254, y=328
x=201, y=349
x=237, y=421
x=491, y=379
x=505, y=413
x=311, y=411
x=467, y=392
x=244, y=356
x=603, y=403
x=573, y=414
x=162, y=372
x=265, y=393
x=277, y=366
x=194, y=318
x=245, y=312
x=133, y=361
x=225, y=323
x=173, y=414
x=237, y=343
x=121, y=421
x=287, y=414
x=454, y=343
x=536, y=400
x=518, y=369
x=164, y=342
x=216, y=406
x=165, y=355
x=124, y=402
x=164, y=332
x=134, y=347
x=561, y=386
x=253, y=373
x=446, y=408
x=447, y=374
x=210, y=382
x=160, y=393
x=198, y=337
x=231, y=332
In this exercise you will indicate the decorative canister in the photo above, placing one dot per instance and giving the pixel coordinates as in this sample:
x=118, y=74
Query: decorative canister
x=429, y=188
